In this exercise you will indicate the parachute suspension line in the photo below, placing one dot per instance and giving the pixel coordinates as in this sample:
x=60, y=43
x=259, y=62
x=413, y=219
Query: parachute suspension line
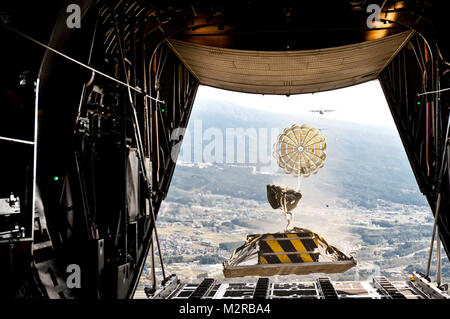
x=298, y=180
x=297, y=189
x=286, y=212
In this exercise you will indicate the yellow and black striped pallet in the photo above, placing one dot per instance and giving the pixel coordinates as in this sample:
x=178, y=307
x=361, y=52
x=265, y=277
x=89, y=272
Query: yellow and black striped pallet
x=282, y=248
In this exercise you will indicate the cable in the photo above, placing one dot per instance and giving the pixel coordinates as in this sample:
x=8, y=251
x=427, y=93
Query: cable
x=15, y=140
x=433, y=85
x=136, y=89
x=438, y=203
x=418, y=60
x=159, y=73
x=430, y=253
x=432, y=92
x=140, y=148
x=136, y=128
x=85, y=85
x=420, y=34
x=157, y=243
x=152, y=252
x=438, y=275
x=440, y=54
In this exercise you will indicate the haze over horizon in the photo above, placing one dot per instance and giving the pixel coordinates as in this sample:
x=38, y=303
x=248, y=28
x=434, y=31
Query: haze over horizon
x=363, y=103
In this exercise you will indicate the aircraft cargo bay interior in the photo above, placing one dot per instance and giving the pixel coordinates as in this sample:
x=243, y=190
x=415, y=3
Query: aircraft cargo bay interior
x=225, y=150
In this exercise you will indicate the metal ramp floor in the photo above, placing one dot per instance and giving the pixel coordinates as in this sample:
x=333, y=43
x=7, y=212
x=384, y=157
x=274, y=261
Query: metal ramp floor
x=417, y=287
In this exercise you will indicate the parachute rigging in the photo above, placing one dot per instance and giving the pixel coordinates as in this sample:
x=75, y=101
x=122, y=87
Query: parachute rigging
x=299, y=151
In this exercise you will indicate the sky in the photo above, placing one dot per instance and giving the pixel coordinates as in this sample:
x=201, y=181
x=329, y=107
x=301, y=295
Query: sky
x=363, y=103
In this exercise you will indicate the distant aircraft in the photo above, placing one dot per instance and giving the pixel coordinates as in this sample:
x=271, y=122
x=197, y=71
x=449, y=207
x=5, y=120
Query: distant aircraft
x=321, y=111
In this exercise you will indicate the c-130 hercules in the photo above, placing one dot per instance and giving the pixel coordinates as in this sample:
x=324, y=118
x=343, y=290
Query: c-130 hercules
x=86, y=149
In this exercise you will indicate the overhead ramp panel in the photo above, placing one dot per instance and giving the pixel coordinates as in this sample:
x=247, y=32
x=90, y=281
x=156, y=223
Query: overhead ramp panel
x=289, y=72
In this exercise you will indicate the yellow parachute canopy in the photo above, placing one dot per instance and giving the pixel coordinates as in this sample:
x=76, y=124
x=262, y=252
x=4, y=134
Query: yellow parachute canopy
x=300, y=150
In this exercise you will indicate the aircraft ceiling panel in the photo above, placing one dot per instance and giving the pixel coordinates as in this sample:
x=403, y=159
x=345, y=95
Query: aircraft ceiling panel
x=289, y=72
